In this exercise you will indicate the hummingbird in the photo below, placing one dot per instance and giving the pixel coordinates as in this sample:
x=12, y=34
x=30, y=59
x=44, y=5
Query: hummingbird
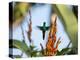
x=43, y=28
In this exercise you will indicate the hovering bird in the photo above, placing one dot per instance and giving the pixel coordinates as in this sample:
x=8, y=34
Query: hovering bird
x=43, y=28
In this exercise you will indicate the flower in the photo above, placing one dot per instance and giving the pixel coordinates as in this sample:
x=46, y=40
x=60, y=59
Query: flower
x=50, y=49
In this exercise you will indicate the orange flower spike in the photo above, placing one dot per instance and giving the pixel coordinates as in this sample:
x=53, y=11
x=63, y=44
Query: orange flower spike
x=50, y=49
x=52, y=37
x=58, y=42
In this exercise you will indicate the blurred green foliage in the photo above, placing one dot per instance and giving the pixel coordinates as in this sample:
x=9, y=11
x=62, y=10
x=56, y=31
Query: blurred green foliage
x=20, y=9
x=69, y=21
x=28, y=50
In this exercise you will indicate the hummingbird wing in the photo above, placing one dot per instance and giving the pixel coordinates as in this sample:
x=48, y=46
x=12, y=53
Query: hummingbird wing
x=41, y=28
x=47, y=28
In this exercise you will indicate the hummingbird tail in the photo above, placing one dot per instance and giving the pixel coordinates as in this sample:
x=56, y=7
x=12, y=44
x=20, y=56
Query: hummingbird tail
x=43, y=35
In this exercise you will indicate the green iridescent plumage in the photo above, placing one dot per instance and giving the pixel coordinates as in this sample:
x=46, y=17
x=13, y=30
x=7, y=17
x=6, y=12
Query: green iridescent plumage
x=43, y=28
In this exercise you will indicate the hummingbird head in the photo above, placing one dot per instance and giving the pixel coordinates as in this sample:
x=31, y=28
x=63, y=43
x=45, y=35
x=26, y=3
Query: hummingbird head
x=44, y=23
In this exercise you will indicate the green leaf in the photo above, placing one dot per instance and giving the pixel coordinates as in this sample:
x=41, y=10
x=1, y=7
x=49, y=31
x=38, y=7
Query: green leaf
x=20, y=9
x=73, y=51
x=16, y=56
x=32, y=47
x=20, y=45
x=69, y=21
x=29, y=51
x=64, y=51
x=34, y=53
